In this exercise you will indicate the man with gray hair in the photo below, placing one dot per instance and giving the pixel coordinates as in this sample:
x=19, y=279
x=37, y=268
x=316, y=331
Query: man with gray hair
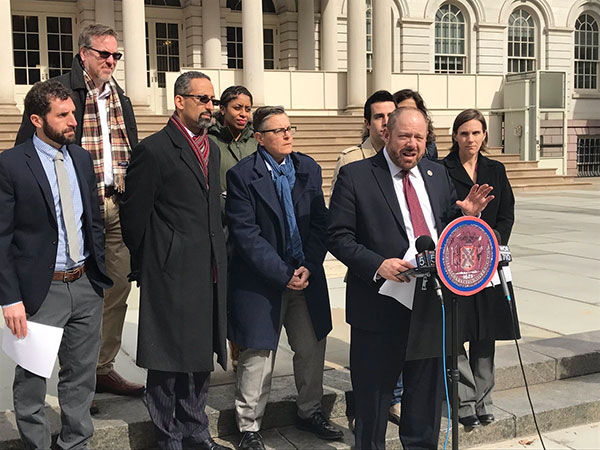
x=277, y=222
x=171, y=218
x=106, y=128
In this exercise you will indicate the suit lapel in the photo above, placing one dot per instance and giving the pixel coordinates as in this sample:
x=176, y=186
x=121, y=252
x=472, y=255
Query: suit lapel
x=35, y=165
x=301, y=180
x=186, y=153
x=382, y=174
x=265, y=187
x=457, y=171
x=429, y=175
x=79, y=170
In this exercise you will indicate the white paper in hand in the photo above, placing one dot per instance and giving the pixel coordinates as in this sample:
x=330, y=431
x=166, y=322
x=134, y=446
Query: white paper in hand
x=402, y=292
x=37, y=352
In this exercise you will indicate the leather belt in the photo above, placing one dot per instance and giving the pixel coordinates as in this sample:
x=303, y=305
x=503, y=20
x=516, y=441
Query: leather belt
x=70, y=275
x=109, y=191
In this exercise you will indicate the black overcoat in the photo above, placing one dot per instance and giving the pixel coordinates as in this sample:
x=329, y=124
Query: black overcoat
x=171, y=223
x=486, y=315
x=258, y=272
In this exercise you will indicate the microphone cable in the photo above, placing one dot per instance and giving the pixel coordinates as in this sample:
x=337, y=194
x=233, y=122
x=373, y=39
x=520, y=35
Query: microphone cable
x=445, y=374
x=511, y=305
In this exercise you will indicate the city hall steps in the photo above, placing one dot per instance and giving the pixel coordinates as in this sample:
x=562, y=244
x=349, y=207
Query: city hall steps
x=324, y=137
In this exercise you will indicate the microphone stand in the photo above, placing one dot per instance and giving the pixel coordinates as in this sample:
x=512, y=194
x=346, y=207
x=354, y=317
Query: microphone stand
x=454, y=374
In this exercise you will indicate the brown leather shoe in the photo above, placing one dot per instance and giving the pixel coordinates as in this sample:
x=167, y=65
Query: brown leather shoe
x=115, y=384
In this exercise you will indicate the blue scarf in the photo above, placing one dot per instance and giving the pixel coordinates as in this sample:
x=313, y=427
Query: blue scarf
x=284, y=177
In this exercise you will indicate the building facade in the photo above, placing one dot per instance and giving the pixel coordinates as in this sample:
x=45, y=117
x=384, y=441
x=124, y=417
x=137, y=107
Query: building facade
x=326, y=56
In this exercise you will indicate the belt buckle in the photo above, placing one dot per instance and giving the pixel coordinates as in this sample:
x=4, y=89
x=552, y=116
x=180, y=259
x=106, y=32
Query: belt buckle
x=72, y=271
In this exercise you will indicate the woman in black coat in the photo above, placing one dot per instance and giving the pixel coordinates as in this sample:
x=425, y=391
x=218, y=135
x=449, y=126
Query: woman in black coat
x=485, y=317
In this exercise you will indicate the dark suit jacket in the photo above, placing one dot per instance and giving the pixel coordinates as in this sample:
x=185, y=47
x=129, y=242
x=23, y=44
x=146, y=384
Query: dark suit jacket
x=171, y=223
x=29, y=231
x=258, y=272
x=366, y=227
x=75, y=81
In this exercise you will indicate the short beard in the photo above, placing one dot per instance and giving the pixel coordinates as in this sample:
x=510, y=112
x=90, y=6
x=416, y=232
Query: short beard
x=56, y=136
x=205, y=124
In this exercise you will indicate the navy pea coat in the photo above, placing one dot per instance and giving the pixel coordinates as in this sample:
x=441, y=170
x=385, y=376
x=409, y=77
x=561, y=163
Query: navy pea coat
x=258, y=273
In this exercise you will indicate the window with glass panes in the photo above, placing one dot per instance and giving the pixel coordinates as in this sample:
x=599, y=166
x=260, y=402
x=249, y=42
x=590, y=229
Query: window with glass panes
x=586, y=52
x=26, y=49
x=521, y=42
x=59, y=34
x=235, y=51
x=449, y=40
x=167, y=50
x=369, y=16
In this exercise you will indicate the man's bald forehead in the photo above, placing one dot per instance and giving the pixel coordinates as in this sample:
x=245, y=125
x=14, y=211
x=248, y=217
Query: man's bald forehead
x=403, y=113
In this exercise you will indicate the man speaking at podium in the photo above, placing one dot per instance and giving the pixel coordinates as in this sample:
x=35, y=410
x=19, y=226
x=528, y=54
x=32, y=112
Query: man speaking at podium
x=379, y=207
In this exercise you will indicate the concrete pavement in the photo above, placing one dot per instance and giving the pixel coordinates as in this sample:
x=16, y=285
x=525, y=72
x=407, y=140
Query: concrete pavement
x=556, y=274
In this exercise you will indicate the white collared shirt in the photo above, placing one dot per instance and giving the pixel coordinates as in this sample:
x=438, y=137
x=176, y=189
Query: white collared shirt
x=419, y=184
x=105, y=126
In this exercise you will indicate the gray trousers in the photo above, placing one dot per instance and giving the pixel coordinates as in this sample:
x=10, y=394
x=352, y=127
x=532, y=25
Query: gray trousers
x=476, y=379
x=255, y=367
x=78, y=309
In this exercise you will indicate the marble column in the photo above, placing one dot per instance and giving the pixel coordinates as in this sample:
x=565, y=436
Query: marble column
x=306, y=35
x=357, y=59
x=382, y=45
x=134, y=46
x=329, y=35
x=252, y=35
x=105, y=12
x=211, y=34
x=7, y=70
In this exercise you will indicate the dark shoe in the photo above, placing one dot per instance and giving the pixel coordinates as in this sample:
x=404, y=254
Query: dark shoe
x=251, y=440
x=319, y=426
x=486, y=419
x=469, y=421
x=94, y=408
x=210, y=444
x=115, y=384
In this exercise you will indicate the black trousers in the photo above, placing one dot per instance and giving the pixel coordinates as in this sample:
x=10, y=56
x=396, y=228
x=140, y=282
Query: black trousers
x=376, y=360
x=176, y=403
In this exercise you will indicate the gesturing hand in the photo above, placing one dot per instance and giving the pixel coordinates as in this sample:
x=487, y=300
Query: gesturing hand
x=476, y=201
x=390, y=269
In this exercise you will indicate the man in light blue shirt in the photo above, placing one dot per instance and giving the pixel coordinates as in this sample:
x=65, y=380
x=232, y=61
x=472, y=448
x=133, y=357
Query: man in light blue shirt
x=52, y=267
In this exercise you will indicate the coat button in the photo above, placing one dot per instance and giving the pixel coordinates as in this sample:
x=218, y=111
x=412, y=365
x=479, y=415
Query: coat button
x=212, y=234
x=54, y=242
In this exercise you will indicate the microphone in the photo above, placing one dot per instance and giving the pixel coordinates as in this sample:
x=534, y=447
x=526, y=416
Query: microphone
x=426, y=248
x=504, y=258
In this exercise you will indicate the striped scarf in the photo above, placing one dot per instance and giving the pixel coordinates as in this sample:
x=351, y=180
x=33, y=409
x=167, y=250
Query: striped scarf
x=199, y=144
x=91, y=138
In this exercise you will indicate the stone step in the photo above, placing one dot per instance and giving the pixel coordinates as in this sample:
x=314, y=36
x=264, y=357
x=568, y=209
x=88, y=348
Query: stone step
x=562, y=374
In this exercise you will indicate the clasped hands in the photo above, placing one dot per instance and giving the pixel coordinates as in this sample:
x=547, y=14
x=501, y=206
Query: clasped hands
x=299, y=280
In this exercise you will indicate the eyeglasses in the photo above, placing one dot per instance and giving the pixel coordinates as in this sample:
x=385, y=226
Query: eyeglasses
x=204, y=99
x=104, y=54
x=280, y=131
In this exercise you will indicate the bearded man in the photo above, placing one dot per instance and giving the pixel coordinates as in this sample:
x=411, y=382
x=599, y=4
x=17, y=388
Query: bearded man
x=171, y=219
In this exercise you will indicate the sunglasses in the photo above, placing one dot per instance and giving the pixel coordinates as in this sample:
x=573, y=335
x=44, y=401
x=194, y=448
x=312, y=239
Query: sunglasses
x=105, y=55
x=204, y=99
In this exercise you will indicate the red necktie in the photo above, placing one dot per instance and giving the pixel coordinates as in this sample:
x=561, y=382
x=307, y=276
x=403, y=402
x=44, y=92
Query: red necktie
x=417, y=219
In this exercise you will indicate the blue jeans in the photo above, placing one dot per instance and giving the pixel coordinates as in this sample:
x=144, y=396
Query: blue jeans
x=397, y=395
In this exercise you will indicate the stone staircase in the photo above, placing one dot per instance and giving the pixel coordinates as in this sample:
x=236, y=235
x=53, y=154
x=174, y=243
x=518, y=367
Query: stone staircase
x=324, y=137
x=563, y=374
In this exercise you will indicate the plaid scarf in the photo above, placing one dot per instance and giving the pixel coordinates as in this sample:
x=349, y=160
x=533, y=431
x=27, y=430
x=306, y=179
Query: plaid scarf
x=91, y=138
x=199, y=144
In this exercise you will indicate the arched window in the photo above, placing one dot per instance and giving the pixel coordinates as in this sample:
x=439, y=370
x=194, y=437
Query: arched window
x=521, y=41
x=236, y=5
x=450, y=46
x=586, y=52
x=369, y=16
